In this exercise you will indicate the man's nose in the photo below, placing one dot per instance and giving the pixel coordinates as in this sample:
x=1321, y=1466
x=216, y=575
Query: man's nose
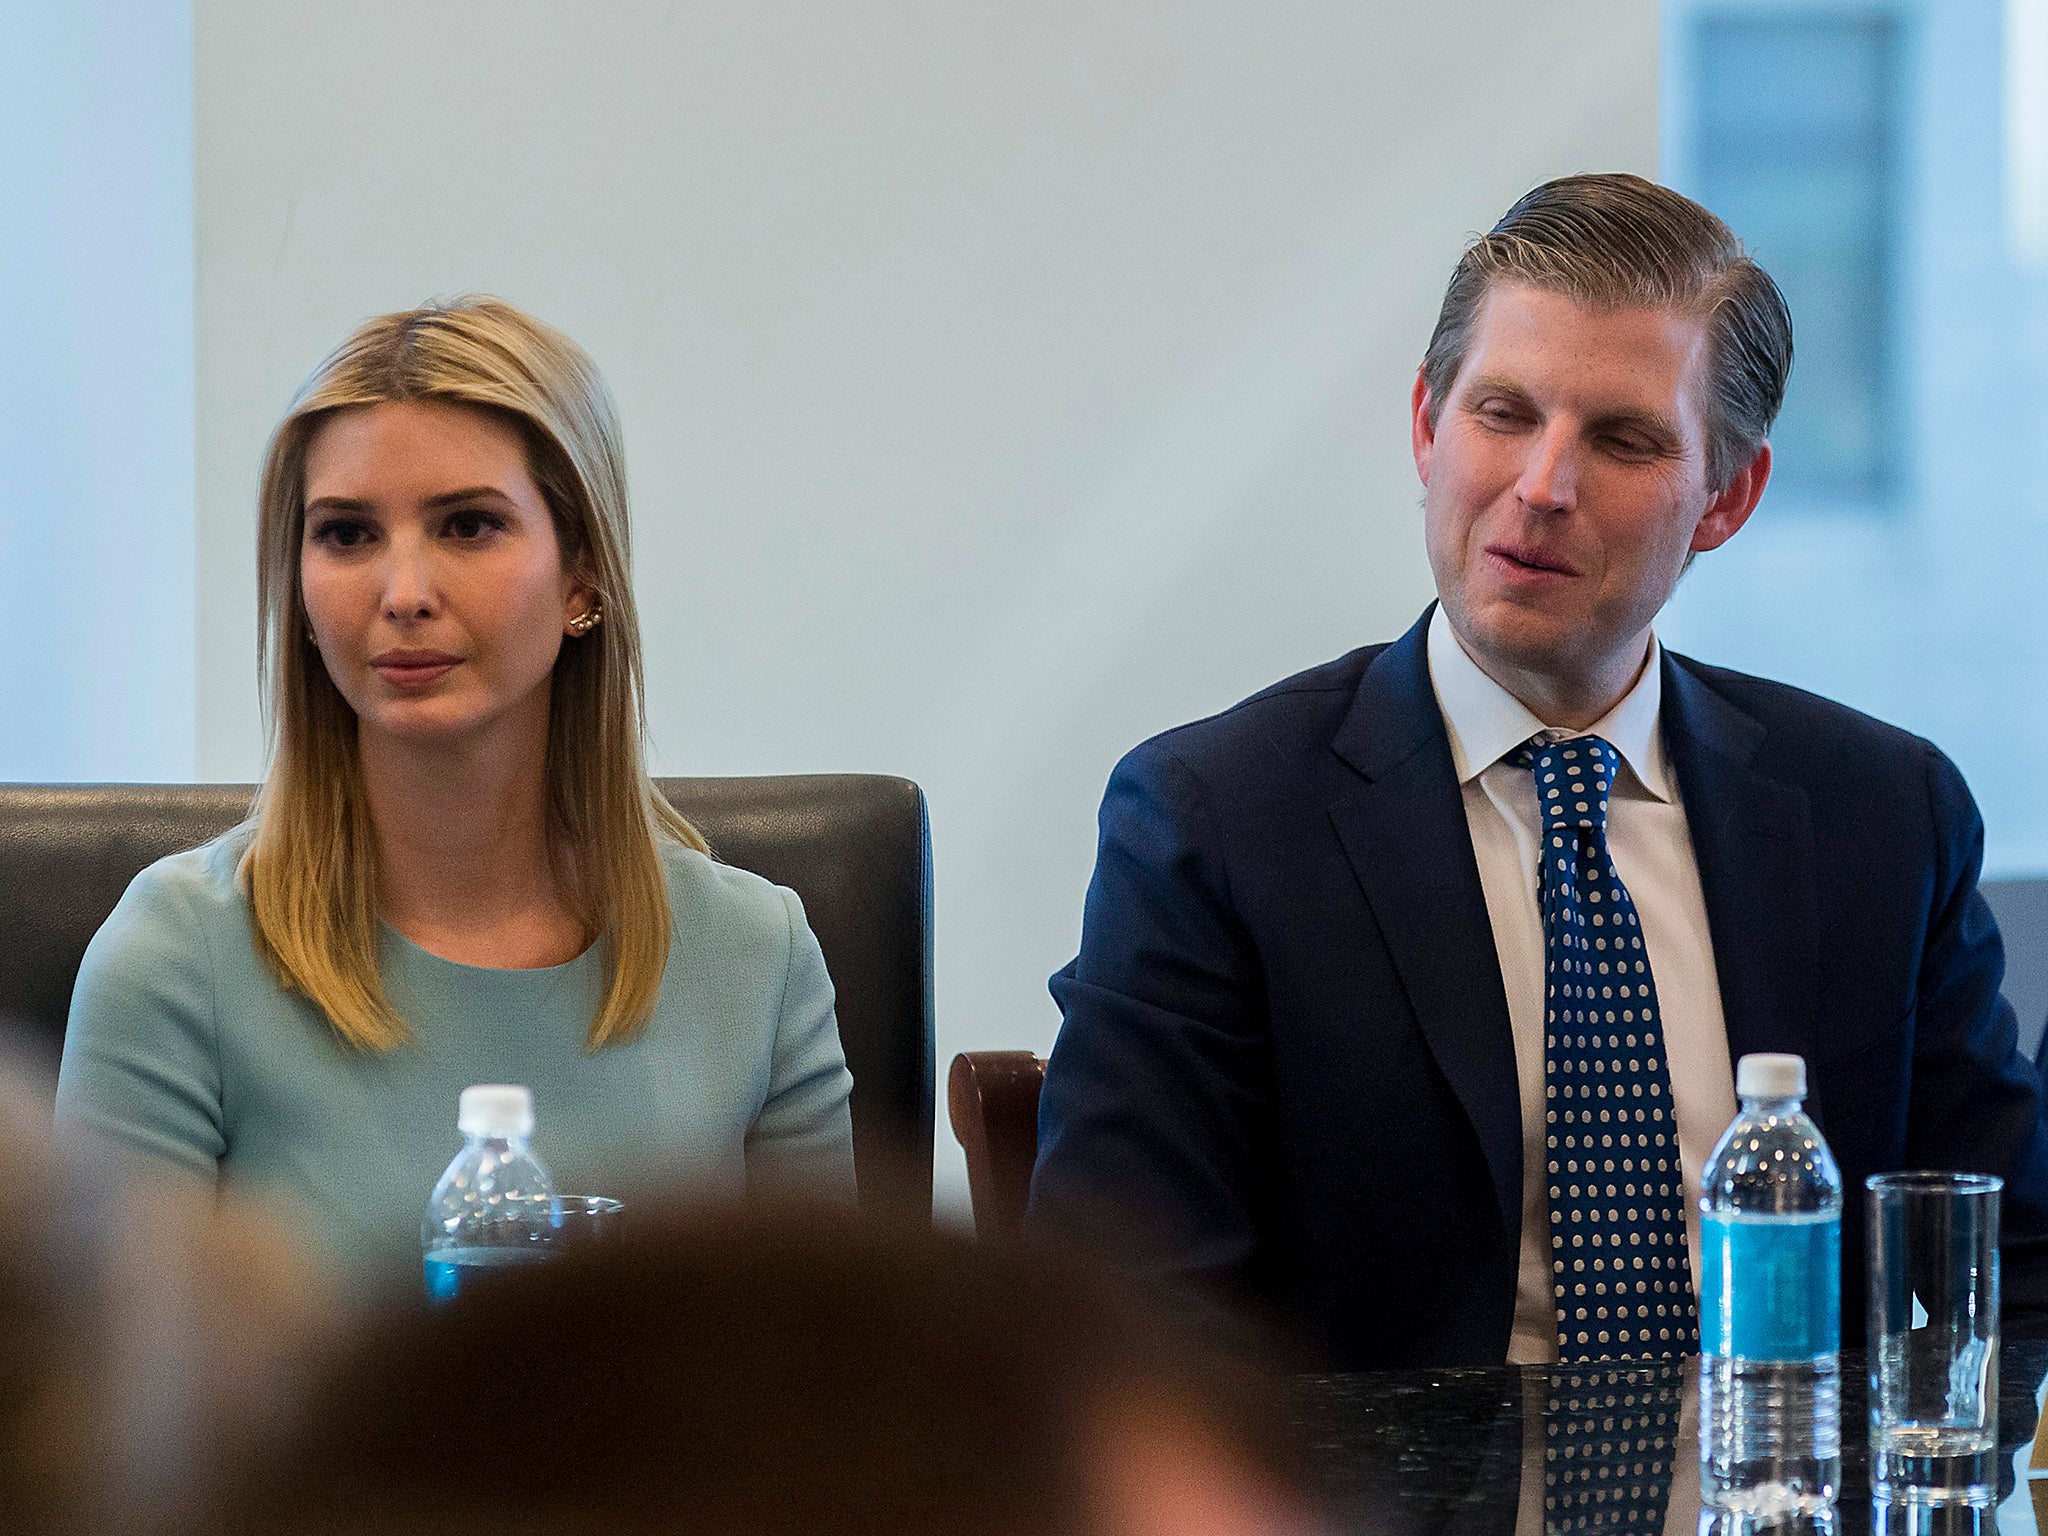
x=410, y=593
x=1550, y=474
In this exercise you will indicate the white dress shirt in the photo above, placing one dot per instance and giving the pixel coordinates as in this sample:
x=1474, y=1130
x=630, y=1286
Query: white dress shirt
x=1652, y=849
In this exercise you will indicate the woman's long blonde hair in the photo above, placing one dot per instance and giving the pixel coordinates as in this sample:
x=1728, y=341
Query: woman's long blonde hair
x=311, y=872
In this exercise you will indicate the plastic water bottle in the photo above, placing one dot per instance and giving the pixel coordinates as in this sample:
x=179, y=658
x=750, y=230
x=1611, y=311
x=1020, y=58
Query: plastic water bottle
x=495, y=1207
x=1770, y=1304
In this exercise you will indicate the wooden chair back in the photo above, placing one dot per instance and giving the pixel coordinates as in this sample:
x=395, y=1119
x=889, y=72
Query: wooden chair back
x=992, y=1100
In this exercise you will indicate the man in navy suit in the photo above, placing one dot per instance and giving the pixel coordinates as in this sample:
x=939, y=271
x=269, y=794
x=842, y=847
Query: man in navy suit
x=1343, y=1039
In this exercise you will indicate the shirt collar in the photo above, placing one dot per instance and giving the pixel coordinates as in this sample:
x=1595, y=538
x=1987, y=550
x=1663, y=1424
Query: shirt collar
x=1485, y=722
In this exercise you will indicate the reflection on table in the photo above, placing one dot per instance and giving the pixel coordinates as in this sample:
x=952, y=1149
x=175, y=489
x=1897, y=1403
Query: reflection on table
x=1478, y=1452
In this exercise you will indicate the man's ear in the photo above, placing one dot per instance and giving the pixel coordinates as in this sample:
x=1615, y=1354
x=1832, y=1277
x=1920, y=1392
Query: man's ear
x=1731, y=505
x=1421, y=433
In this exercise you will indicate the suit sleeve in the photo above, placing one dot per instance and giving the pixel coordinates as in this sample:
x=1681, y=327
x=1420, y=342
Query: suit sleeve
x=1976, y=1104
x=141, y=1068
x=1150, y=1123
x=802, y=1140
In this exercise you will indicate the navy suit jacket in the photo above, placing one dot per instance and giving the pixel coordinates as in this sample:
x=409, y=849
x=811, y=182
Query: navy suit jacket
x=1286, y=1069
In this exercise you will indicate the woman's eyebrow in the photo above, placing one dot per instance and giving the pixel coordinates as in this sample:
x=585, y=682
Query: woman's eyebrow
x=336, y=504
x=469, y=493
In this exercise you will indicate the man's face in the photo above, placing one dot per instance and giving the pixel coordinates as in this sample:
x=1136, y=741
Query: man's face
x=1566, y=484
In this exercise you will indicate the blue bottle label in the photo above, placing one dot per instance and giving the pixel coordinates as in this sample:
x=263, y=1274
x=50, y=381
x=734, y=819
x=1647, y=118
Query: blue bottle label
x=1770, y=1286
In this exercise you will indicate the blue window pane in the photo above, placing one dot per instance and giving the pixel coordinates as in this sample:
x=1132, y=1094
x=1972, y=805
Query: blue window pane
x=1793, y=143
x=1885, y=160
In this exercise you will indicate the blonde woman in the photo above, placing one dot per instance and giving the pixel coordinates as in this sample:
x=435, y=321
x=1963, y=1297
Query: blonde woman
x=457, y=870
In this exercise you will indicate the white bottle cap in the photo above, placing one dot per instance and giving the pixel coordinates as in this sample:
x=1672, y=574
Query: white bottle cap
x=496, y=1110
x=1770, y=1075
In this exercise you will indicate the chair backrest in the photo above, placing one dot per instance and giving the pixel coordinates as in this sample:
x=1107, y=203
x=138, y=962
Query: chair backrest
x=855, y=847
x=992, y=1100
x=2021, y=907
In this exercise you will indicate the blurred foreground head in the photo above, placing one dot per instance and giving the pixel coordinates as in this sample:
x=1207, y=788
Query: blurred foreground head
x=144, y=1325
x=768, y=1376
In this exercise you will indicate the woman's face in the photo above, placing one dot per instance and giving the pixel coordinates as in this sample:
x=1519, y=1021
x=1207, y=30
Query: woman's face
x=433, y=579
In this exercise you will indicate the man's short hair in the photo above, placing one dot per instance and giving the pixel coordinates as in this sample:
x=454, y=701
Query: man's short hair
x=1616, y=242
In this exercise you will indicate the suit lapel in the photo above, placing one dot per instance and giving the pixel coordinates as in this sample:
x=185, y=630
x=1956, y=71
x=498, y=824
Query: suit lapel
x=1402, y=826
x=1753, y=838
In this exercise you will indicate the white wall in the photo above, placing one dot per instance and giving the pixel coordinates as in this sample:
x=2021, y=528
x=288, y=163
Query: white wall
x=1001, y=383
x=97, y=666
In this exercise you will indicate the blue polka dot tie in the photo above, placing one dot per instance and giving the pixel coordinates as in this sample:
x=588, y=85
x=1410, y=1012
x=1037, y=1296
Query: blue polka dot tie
x=1619, y=1270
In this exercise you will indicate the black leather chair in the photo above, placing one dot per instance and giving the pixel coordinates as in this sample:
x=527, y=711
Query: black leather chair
x=855, y=847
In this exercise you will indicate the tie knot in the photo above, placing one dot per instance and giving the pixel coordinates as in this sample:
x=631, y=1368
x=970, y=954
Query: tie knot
x=1573, y=778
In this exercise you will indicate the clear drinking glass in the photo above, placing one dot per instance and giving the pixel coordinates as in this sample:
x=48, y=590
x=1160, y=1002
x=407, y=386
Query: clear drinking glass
x=1934, y=1337
x=1888, y=1518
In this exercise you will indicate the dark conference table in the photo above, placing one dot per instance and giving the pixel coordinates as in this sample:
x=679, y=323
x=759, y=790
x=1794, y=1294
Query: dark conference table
x=1443, y=1453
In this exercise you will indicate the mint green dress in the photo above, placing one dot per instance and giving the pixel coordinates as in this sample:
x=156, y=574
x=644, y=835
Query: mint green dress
x=182, y=1047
